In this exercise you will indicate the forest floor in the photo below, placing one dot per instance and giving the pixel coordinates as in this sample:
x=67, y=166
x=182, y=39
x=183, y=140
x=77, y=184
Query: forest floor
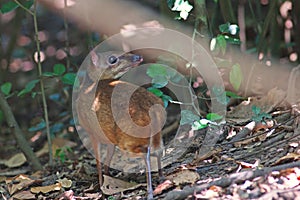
x=252, y=159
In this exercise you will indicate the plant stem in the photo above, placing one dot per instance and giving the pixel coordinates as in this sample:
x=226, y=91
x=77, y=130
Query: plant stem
x=42, y=84
x=67, y=48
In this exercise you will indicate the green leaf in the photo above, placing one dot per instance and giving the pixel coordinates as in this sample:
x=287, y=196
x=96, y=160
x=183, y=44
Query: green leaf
x=256, y=110
x=219, y=93
x=60, y=153
x=11, y=5
x=200, y=124
x=28, y=4
x=6, y=88
x=28, y=88
x=159, y=81
x=156, y=70
x=224, y=28
x=176, y=78
x=76, y=83
x=59, y=69
x=155, y=91
x=233, y=95
x=170, y=72
x=170, y=3
x=221, y=43
x=188, y=117
x=236, y=76
x=213, y=117
x=33, y=94
x=232, y=40
x=166, y=99
x=259, y=116
x=48, y=74
x=69, y=78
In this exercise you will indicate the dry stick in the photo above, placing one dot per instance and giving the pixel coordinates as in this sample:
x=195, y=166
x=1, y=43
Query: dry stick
x=226, y=181
x=19, y=135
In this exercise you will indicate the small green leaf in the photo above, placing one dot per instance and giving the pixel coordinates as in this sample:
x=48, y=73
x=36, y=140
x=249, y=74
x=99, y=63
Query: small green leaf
x=155, y=91
x=236, y=76
x=28, y=88
x=176, y=78
x=6, y=88
x=27, y=4
x=33, y=94
x=224, y=28
x=256, y=110
x=200, y=124
x=159, y=81
x=232, y=40
x=259, y=116
x=170, y=72
x=232, y=29
x=188, y=117
x=59, y=69
x=170, y=3
x=221, y=43
x=219, y=93
x=111, y=198
x=48, y=74
x=60, y=153
x=156, y=70
x=233, y=95
x=69, y=78
x=213, y=117
x=166, y=99
x=76, y=83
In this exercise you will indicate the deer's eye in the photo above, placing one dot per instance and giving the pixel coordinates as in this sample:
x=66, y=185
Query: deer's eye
x=112, y=60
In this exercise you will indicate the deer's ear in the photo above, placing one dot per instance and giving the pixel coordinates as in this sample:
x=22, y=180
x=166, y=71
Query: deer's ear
x=94, y=58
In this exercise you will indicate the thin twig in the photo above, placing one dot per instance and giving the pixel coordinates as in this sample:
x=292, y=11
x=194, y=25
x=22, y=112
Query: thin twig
x=42, y=83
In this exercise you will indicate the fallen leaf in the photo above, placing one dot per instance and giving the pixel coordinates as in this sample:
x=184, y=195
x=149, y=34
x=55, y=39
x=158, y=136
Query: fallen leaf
x=163, y=186
x=18, y=183
x=46, y=189
x=243, y=112
x=112, y=185
x=184, y=176
x=2, y=178
x=66, y=183
x=24, y=195
x=289, y=157
x=16, y=161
